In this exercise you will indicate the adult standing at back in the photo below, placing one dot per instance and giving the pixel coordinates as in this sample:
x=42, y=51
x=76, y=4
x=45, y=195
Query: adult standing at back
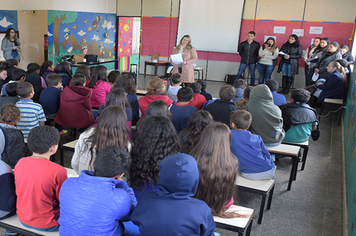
x=10, y=45
x=189, y=55
x=268, y=53
x=248, y=51
x=289, y=64
x=333, y=54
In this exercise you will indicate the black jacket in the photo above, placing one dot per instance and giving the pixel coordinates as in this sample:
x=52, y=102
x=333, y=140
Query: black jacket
x=296, y=114
x=16, y=148
x=249, y=52
x=220, y=111
x=324, y=62
x=295, y=53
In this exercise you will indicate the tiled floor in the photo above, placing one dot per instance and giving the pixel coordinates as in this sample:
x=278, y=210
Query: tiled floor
x=313, y=207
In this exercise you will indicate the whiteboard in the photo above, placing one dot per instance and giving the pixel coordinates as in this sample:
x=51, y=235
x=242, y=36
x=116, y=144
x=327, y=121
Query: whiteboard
x=214, y=25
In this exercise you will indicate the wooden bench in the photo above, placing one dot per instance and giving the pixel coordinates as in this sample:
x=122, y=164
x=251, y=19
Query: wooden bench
x=67, y=146
x=291, y=151
x=13, y=223
x=305, y=147
x=262, y=187
x=238, y=224
x=336, y=101
x=141, y=92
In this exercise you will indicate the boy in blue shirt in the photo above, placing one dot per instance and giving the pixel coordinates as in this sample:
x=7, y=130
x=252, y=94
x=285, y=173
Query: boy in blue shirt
x=32, y=114
x=98, y=201
x=51, y=96
x=278, y=99
x=254, y=159
x=173, y=90
x=182, y=111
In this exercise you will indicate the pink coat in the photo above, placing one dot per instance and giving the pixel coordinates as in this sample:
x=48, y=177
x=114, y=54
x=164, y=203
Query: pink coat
x=100, y=90
x=190, y=56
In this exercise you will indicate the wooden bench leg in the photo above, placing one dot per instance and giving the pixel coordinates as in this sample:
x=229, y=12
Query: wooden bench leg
x=305, y=153
x=269, y=203
x=262, y=207
x=61, y=158
x=292, y=172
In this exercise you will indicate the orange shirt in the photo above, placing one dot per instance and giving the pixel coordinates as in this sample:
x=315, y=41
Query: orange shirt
x=38, y=182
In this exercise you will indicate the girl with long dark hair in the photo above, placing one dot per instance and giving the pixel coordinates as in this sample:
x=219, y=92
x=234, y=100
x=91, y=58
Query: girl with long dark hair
x=11, y=45
x=196, y=124
x=65, y=71
x=110, y=131
x=155, y=140
x=100, y=85
x=218, y=168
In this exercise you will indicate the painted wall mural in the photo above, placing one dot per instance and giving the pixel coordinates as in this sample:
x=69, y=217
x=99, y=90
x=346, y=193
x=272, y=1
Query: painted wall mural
x=128, y=43
x=8, y=19
x=350, y=154
x=72, y=33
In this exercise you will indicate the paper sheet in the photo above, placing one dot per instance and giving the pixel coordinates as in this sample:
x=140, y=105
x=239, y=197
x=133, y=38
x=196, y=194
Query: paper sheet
x=315, y=30
x=314, y=60
x=279, y=30
x=315, y=77
x=298, y=32
x=282, y=53
x=177, y=58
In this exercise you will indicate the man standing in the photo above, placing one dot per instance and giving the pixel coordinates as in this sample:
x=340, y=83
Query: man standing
x=248, y=51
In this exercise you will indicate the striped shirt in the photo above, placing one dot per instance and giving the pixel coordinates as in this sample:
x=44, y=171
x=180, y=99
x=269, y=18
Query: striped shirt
x=31, y=114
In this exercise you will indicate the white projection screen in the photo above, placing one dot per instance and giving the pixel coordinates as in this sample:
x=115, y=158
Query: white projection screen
x=214, y=25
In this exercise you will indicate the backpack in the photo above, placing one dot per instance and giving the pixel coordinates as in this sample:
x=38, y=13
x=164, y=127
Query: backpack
x=229, y=79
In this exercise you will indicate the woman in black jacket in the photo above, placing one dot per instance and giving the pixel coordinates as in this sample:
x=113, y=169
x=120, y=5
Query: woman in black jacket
x=333, y=54
x=289, y=63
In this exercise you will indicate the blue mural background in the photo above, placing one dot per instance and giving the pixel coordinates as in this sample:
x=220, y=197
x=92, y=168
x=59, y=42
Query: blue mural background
x=8, y=19
x=72, y=33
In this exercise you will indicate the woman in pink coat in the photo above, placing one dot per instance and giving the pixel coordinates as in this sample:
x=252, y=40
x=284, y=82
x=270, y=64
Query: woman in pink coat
x=189, y=55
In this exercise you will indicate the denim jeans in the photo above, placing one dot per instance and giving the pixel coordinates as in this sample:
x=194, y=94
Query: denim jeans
x=252, y=71
x=269, y=174
x=265, y=72
x=50, y=229
x=286, y=70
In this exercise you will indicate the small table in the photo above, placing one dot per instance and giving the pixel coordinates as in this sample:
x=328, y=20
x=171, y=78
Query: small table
x=156, y=64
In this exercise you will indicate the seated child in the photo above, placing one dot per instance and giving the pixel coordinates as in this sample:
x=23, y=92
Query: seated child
x=103, y=188
x=241, y=104
x=198, y=99
x=113, y=76
x=3, y=76
x=32, y=114
x=34, y=78
x=51, y=96
x=299, y=119
x=17, y=76
x=39, y=180
x=12, y=98
x=220, y=109
x=7, y=185
x=240, y=85
x=173, y=89
x=278, y=99
x=173, y=210
x=99, y=85
x=182, y=111
x=254, y=159
x=203, y=90
x=127, y=82
x=16, y=147
x=75, y=99
x=156, y=90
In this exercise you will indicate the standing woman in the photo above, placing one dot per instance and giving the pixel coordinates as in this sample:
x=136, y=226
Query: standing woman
x=268, y=54
x=11, y=45
x=189, y=55
x=308, y=55
x=289, y=64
